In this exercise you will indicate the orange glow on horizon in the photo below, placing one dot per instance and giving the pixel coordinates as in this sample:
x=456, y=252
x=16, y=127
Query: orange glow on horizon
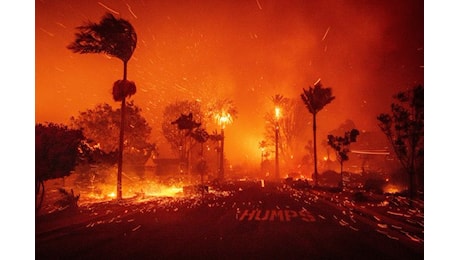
x=202, y=50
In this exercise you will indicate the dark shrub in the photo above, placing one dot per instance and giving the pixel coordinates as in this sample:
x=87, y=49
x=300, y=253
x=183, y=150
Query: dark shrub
x=374, y=185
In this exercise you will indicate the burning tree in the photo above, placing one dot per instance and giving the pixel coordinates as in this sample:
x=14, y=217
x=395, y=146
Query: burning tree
x=315, y=99
x=341, y=145
x=115, y=37
x=56, y=154
x=404, y=129
x=101, y=126
x=223, y=112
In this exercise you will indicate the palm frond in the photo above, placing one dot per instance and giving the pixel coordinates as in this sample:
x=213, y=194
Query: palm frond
x=112, y=36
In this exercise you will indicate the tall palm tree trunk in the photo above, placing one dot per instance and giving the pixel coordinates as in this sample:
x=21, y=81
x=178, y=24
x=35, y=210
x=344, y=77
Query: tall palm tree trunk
x=122, y=133
x=277, y=162
x=314, y=149
x=221, y=171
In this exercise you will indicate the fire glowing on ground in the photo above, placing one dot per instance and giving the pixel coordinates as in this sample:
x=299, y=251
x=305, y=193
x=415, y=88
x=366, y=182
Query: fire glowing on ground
x=391, y=188
x=142, y=190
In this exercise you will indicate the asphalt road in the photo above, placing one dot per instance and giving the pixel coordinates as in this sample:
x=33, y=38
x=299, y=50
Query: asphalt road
x=242, y=221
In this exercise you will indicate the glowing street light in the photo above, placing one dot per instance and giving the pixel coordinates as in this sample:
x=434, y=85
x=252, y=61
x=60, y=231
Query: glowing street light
x=277, y=113
x=277, y=133
x=223, y=112
x=223, y=118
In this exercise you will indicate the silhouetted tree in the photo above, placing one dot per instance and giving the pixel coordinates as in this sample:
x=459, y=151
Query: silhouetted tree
x=315, y=99
x=115, y=37
x=186, y=122
x=56, y=154
x=173, y=135
x=188, y=125
x=201, y=136
x=341, y=145
x=291, y=129
x=223, y=111
x=343, y=127
x=404, y=128
x=101, y=126
x=326, y=163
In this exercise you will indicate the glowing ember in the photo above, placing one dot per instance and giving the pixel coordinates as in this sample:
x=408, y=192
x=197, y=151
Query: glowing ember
x=166, y=192
x=277, y=113
x=223, y=119
x=390, y=188
x=135, y=189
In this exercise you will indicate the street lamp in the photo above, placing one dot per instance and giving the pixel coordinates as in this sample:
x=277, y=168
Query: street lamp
x=277, y=133
x=223, y=119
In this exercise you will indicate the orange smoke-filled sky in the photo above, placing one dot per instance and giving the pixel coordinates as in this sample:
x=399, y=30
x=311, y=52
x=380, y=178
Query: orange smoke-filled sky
x=246, y=51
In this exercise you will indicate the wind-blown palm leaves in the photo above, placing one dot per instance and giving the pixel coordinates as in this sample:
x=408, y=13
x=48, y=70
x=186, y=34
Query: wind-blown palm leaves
x=279, y=100
x=223, y=111
x=315, y=99
x=115, y=37
x=112, y=36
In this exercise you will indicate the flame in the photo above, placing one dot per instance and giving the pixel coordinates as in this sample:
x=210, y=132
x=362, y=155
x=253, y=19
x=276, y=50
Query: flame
x=137, y=190
x=277, y=113
x=166, y=191
x=391, y=188
x=223, y=119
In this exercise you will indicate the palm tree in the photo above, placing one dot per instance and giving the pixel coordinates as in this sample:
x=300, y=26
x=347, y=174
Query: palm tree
x=279, y=101
x=117, y=38
x=315, y=99
x=223, y=112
